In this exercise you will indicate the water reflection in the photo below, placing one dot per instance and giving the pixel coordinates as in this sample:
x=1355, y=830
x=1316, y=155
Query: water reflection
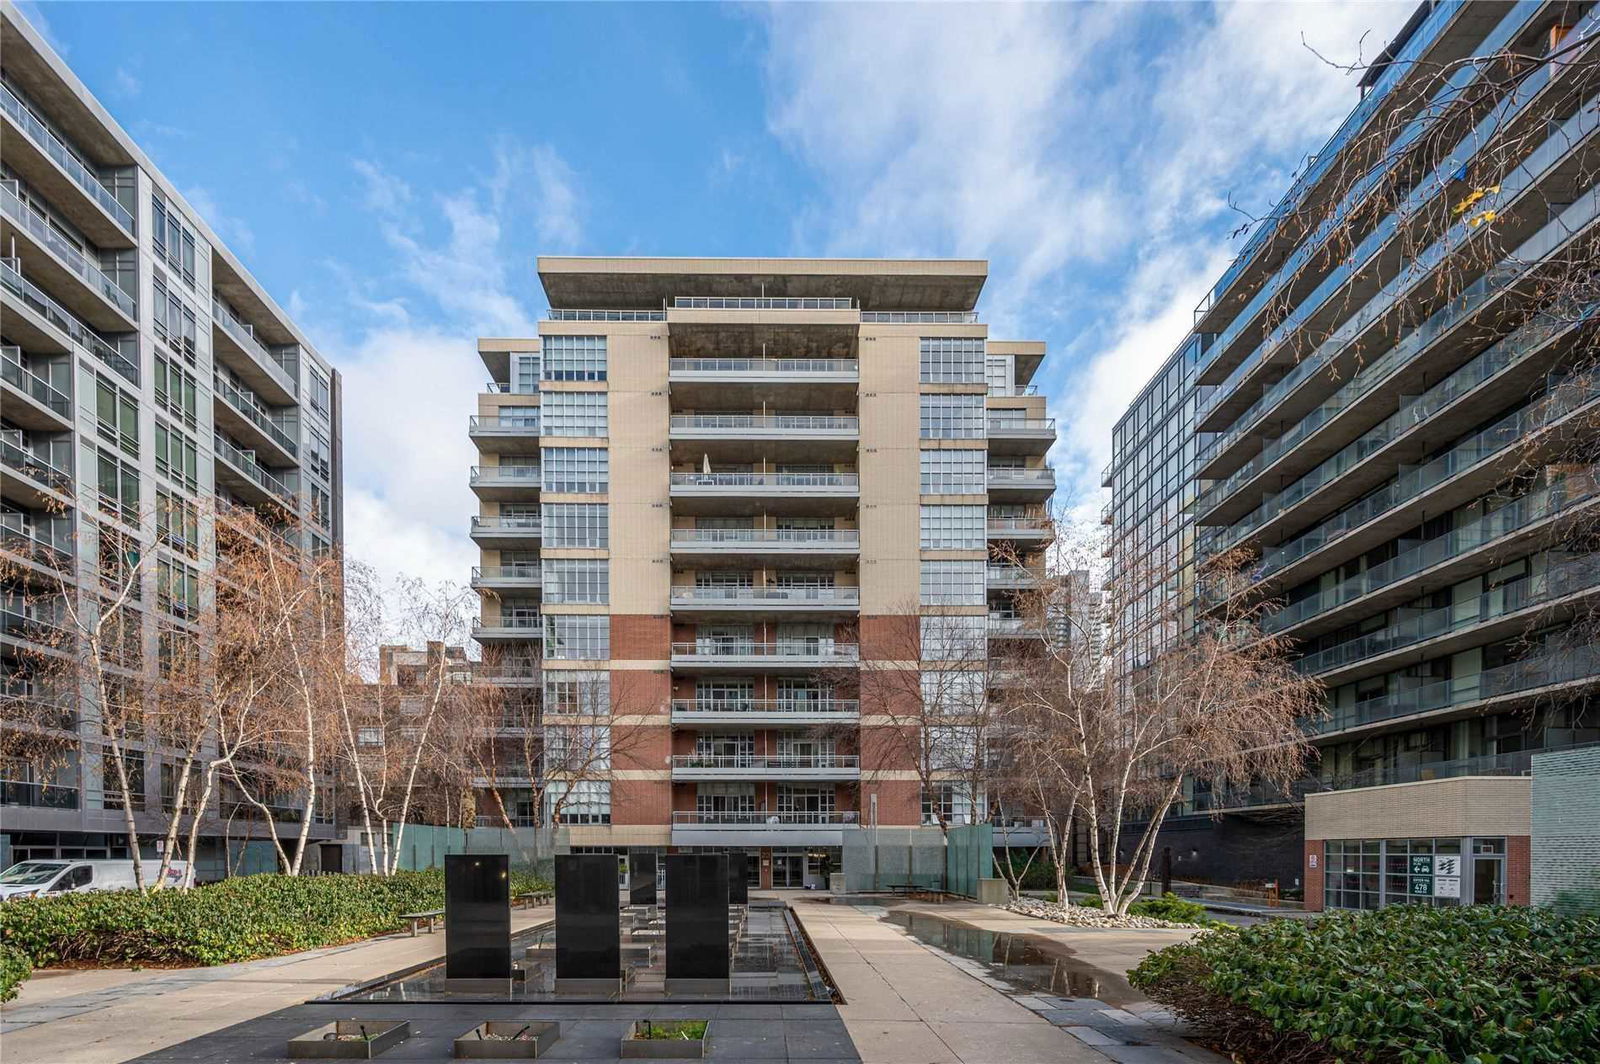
x=1030, y=964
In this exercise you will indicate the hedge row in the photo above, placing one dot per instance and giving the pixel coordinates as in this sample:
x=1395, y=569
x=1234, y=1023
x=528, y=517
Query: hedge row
x=1401, y=985
x=235, y=920
x=14, y=968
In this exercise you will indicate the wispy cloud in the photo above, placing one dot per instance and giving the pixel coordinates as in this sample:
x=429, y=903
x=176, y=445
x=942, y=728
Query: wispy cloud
x=234, y=230
x=126, y=83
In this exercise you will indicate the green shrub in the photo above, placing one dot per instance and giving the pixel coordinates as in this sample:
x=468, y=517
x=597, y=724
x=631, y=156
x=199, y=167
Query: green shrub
x=1401, y=985
x=235, y=920
x=14, y=969
x=1167, y=907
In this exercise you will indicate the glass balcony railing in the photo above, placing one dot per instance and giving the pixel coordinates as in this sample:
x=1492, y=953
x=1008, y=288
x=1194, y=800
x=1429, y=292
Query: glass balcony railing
x=1519, y=677
x=799, y=367
x=244, y=334
x=760, y=303
x=526, y=525
x=920, y=317
x=20, y=531
x=766, y=537
x=1510, y=518
x=1021, y=525
x=809, y=481
x=778, y=762
x=798, y=649
x=765, y=423
x=522, y=574
x=16, y=453
x=757, y=596
x=1000, y=426
x=42, y=304
x=752, y=818
x=66, y=159
x=563, y=314
x=249, y=406
x=1566, y=579
x=1555, y=148
x=506, y=426
x=530, y=623
x=799, y=708
x=26, y=380
x=502, y=474
x=24, y=215
x=246, y=463
x=1022, y=477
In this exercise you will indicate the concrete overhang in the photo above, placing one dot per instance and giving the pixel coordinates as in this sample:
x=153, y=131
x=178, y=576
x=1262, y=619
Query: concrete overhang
x=875, y=284
x=1028, y=354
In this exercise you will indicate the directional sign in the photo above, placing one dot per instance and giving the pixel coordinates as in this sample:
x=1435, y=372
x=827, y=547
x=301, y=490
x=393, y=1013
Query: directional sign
x=1447, y=886
x=1421, y=865
x=1422, y=886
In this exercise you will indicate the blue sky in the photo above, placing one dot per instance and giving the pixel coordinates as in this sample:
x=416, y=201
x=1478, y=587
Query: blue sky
x=389, y=172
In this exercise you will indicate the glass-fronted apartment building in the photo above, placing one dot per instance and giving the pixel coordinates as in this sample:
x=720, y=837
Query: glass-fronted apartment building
x=145, y=372
x=710, y=489
x=1387, y=399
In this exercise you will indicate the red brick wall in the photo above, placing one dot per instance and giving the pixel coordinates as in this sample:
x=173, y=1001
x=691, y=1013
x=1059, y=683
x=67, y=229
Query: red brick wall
x=1316, y=862
x=890, y=637
x=641, y=802
x=1519, y=887
x=641, y=637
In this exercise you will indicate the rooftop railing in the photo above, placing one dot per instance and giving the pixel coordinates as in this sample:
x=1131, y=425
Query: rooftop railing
x=23, y=214
x=64, y=157
x=41, y=303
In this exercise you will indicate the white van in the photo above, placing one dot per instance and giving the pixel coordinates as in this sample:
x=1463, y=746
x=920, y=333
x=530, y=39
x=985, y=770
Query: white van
x=28, y=879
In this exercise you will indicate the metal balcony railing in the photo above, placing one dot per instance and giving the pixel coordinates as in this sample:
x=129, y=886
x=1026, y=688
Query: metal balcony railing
x=1015, y=576
x=799, y=708
x=766, y=480
x=246, y=463
x=766, y=423
x=14, y=452
x=763, y=819
x=244, y=334
x=799, y=367
x=1023, y=477
x=533, y=624
x=523, y=574
x=1000, y=426
x=568, y=314
x=713, y=596
x=797, y=650
x=526, y=525
x=36, y=299
x=26, y=380
x=777, y=762
x=767, y=537
x=920, y=317
x=250, y=407
x=518, y=474
x=65, y=158
x=51, y=533
x=1033, y=525
x=760, y=303
x=27, y=217
x=512, y=426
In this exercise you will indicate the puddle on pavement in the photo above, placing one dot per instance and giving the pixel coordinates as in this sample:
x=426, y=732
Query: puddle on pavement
x=1030, y=963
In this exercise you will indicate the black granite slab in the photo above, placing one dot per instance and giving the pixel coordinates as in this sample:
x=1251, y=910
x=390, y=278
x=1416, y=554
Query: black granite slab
x=697, y=916
x=477, y=916
x=642, y=879
x=588, y=920
x=738, y=884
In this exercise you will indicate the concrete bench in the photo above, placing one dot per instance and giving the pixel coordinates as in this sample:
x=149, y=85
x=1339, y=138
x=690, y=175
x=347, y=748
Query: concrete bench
x=534, y=899
x=424, y=919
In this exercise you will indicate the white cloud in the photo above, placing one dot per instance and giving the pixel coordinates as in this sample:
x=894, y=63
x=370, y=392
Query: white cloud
x=126, y=82
x=234, y=231
x=1088, y=151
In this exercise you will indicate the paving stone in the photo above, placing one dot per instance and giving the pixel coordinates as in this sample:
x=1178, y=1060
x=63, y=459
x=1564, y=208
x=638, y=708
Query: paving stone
x=1091, y=1036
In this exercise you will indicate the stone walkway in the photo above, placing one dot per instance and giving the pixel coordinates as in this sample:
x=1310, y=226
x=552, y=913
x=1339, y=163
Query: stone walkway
x=901, y=1009
x=108, y=1016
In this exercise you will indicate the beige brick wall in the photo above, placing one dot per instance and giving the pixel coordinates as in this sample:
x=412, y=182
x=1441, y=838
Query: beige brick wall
x=1470, y=805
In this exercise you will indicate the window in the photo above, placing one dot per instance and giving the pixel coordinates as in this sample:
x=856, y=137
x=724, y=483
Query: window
x=576, y=524
x=321, y=396
x=524, y=372
x=953, y=583
x=588, y=803
x=724, y=694
x=955, y=638
x=174, y=321
x=581, y=693
x=369, y=736
x=118, y=484
x=319, y=455
x=577, y=638
x=133, y=768
x=997, y=374
x=177, y=523
x=177, y=457
x=952, y=417
x=954, y=528
x=173, y=237
x=952, y=360
x=321, y=507
x=949, y=804
x=177, y=589
x=953, y=472
x=116, y=415
x=733, y=799
x=574, y=413
x=567, y=580
x=952, y=748
x=579, y=470
x=953, y=692
x=577, y=748
x=176, y=392
x=574, y=358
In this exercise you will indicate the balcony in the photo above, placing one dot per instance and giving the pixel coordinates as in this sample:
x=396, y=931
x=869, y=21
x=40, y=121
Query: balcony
x=507, y=577
x=36, y=403
x=760, y=828
x=38, y=795
x=763, y=371
x=504, y=482
x=1022, y=529
x=512, y=674
x=41, y=622
x=506, y=435
x=57, y=170
x=710, y=767
x=249, y=358
x=40, y=322
x=726, y=546
x=33, y=477
x=1018, y=435
x=920, y=317
x=238, y=470
x=760, y=303
x=800, y=494
x=242, y=414
x=747, y=655
x=1016, y=577
x=1022, y=484
x=745, y=600
x=519, y=628
x=791, y=712
x=1004, y=626
x=79, y=283
x=763, y=427
x=497, y=533
x=43, y=535
x=564, y=314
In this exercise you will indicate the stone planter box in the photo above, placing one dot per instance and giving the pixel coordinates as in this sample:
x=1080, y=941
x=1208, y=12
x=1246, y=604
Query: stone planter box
x=662, y=1048
x=515, y=1041
x=381, y=1035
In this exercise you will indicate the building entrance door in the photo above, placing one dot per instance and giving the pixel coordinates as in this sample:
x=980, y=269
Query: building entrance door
x=788, y=871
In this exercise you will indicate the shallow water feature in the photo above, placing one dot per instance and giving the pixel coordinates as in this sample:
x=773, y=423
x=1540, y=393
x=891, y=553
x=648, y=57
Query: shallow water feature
x=771, y=963
x=1030, y=963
